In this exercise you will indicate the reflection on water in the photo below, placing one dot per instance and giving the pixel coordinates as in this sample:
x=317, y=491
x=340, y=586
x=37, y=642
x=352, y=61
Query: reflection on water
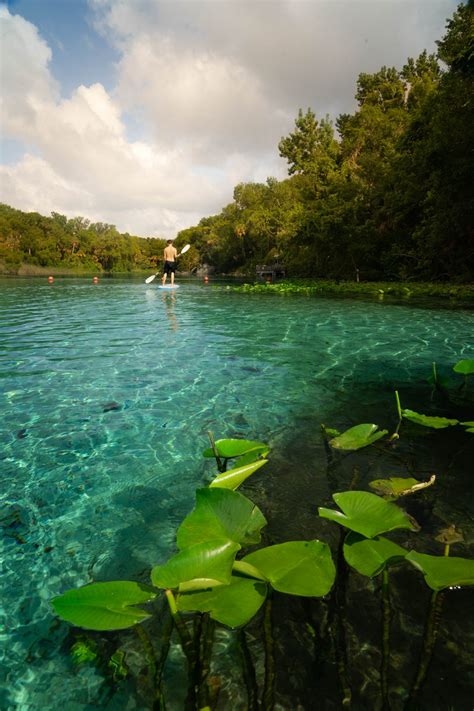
x=169, y=301
x=92, y=493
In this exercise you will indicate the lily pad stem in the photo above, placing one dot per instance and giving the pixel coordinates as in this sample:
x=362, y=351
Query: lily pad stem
x=268, y=698
x=386, y=616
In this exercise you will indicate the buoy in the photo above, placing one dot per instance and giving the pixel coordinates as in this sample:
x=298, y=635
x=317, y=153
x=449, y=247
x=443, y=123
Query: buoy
x=50, y=279
x=206, y=279
x=95, y=280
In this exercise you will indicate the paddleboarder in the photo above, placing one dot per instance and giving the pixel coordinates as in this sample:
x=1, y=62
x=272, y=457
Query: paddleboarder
x=170, y=253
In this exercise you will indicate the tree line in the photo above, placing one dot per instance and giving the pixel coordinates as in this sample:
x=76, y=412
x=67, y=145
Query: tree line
x=389, y=196
x=383, y=193
x=71, y=244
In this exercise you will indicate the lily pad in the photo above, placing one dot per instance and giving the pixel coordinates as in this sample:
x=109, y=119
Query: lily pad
x=464, y=367
x=394, y=487
x=469, y=426
x=221, y=513
x=436, y=423
x=104, y=606
x=200, y=566
x=369, y=556
x=298, y=567
x=367, y=514
x=230, y=448
x=443, y=571
x=358, y=437
x=233, y=478
x=232, y=605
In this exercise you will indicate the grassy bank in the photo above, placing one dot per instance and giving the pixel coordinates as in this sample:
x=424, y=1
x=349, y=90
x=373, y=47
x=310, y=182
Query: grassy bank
x=380, y=289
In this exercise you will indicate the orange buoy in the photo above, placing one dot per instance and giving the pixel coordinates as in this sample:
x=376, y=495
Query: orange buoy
x=50, y=279
x=95, y=280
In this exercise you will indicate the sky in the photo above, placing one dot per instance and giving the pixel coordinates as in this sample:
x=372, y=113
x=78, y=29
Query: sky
x=146, y=114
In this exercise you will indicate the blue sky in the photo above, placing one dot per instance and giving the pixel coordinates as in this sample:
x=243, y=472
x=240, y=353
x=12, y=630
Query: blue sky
x=146, y=113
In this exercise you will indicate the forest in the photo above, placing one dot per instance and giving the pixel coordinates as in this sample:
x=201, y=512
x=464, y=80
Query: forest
x=382, y=193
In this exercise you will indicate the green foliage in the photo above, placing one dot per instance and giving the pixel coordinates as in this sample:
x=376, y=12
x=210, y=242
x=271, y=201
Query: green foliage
x=442, y=571
x=297, y=567
x=198, y=566
x=358, y=437
x=72, y=245
x=366, y=513
x=231, y=448
x=84, y=650
x=104, y=606
x=233, y=478
x=394, y=487
x=232, y=605
x=465, y=367
x=221, y=514
x=436, y=423
x=369, y=556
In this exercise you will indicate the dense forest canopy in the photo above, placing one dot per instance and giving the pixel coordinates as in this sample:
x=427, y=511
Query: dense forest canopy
x=386, y=192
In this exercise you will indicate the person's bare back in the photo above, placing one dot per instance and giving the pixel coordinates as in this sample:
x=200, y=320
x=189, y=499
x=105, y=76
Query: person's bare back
x=170, y=253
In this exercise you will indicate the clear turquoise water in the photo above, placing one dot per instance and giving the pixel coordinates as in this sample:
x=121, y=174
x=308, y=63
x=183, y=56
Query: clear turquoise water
x=97, y=492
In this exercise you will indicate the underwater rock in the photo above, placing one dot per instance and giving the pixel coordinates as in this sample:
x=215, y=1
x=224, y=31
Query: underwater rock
x=112, y=405
x=14, y=521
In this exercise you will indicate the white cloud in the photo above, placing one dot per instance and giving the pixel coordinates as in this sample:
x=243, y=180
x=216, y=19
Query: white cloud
x=212, y=85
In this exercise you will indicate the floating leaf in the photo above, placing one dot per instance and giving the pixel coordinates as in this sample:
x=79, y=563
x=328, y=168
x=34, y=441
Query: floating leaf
x=230, y=448
x=436, y=423
x=104, y=606
x=233, y=478
x=232, y=605
x=357, y=437
x=367, y=513
x=297, y=567
x=464, y=367
x=443, y=571
x=369, y=556
x=200, y=566
x=468, y=425
x=394, y=487
x=221, y=513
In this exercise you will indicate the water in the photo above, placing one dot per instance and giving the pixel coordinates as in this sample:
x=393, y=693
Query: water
x=107, y=394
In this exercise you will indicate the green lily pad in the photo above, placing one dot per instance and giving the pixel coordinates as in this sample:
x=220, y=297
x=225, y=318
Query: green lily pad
x=436, y=423
x=230, y=448
x=369, y=556
x=104, y=606
x=233, y=478
x=232, y=605
x=366, y=513
x=464, y=367
x=297, y=567
x=358, y=437
x=221, y=513
x=468, y=425
x=394, y=487
x=443, y=571
x=200, y=566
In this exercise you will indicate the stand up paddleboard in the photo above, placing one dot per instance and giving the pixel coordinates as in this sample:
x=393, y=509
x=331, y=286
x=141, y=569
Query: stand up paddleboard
x=169, y=286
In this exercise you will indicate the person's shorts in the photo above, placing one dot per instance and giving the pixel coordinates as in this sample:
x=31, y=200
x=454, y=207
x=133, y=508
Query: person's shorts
x=169, y=268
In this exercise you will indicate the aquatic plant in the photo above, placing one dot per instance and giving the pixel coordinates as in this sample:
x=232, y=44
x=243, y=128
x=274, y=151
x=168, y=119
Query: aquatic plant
x=205, y=576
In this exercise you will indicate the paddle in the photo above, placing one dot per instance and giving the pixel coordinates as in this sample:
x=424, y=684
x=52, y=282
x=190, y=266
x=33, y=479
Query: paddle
x=153, y=276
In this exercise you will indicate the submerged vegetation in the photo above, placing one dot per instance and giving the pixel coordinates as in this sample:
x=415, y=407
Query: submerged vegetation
x=215, y=580
x=384, y=195
x=315, y=287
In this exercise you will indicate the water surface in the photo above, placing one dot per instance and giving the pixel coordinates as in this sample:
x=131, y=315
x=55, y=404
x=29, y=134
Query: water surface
x=107, y=394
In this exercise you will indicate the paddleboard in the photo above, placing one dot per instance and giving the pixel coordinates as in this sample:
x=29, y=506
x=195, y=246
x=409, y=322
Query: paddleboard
x=169, y=286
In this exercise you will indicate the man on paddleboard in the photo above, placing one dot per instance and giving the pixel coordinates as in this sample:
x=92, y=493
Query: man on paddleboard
x=170, y=253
